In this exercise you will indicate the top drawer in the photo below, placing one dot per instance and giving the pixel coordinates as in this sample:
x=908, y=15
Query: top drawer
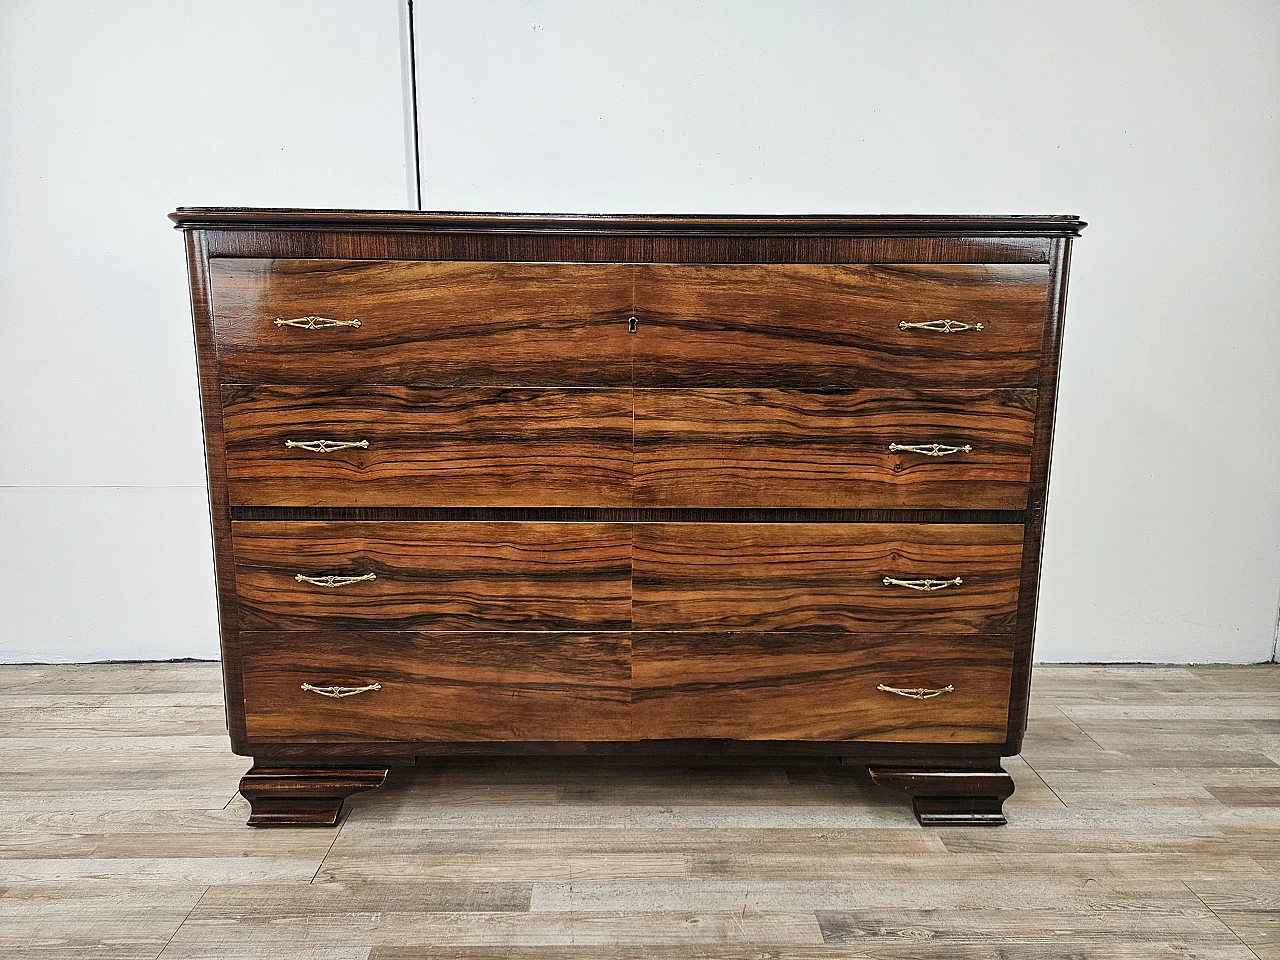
x=421, y=322
x=840, y=325
x=822, y=326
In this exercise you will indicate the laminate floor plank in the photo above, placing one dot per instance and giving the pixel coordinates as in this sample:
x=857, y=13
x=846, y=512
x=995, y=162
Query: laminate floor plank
x=241, y=934
x=765, y=866
x=1146, y=824
x=1235, y=706
x=570, y=817
x=977, y=895
x=910, y=948
x=69, y=778
x=284, y=901
x=93, y=755
x=1127, y=787
x=1013, y=927
x=40, y=702
x=129, y=679
x=118, y=920
x=165, y=869
x=69, y=721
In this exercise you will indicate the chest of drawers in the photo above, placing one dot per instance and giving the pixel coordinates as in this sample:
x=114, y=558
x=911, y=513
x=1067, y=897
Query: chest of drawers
x=487, y=484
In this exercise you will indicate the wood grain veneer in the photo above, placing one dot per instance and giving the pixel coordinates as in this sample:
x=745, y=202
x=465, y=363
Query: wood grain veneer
x=792, y=448
x=752, y=686
x=487, y=324
x=480, y=687
x=625, y=484
x=470, y=446
x=837, y=325
x=825, y=576
x=443, y=576
x=439, y=686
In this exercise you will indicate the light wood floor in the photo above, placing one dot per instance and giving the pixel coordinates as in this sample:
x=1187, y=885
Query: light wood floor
x=1146, y=824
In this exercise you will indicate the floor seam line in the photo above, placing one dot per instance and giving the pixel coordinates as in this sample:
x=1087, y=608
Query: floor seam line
x=1041, y=778
x=178, y=928
x=328, y=850
x=1085, y=732
x=1071, y=720
x=1230, y=929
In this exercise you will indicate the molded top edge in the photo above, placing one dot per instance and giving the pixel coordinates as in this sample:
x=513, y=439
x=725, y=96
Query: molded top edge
x=279, y=218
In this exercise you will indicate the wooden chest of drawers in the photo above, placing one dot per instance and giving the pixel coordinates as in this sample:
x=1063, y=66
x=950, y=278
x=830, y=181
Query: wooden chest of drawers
x=485, y=484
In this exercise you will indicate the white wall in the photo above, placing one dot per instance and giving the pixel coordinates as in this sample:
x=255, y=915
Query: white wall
x=113, y=114
x=1156, y=121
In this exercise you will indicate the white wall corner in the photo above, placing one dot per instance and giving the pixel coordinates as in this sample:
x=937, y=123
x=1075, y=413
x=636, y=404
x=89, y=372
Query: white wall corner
x=408, y=75
x=1275, y=638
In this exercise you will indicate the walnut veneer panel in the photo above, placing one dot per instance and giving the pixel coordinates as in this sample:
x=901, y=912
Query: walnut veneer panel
x=438, y=686
x=497, y=324
x=751, y=686
x=443, y=576
x=791, y=448
x=826, y=576
x=470, y=446
x=802, y=325
x=482, y=687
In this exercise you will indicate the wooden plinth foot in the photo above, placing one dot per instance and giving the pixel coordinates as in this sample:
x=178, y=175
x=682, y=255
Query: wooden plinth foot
x=303, y=796
x=959, y=797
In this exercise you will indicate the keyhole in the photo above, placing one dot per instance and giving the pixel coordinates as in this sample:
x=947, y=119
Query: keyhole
x=633, y=324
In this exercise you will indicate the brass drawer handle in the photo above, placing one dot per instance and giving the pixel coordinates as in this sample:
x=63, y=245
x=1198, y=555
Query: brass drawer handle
x=916, y=693
x=335, y=581
x=929, y=449
x=922, y=584
x=940, y=326
x=315, y=323
x=339, y=692
x=327, y=446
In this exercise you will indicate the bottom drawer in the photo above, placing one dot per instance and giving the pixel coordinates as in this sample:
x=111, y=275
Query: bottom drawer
x=822, y=686
x=493, y=687
x=442, y=687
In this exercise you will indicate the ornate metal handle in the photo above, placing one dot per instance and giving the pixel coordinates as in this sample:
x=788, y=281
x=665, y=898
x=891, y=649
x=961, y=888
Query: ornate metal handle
x=315, y=323
x=922, y=584
x=916, y=693
x=327, y=446
x=338, y=692
x=334, y=581
x=940, y=326
x=929, y=449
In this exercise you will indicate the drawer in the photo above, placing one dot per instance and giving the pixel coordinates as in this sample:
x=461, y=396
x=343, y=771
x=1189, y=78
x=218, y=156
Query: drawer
x=832, y=325
x=822, y=686
x=432, y=575
x=866, y=448
x=485, y=687
x=869, y=577
x=293, y=445
x=429, y=323
x=464, y=687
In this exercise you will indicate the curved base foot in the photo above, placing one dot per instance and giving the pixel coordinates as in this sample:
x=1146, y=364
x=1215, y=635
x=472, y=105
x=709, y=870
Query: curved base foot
x=960, y=797
x=303, y=796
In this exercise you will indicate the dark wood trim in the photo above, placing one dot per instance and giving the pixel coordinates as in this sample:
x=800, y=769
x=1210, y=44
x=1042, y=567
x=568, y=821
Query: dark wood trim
x=628, y=514
x=1041, y=449
x=216, y=472
x=282, y=218
x=625, y=247
x=963, y=797
x=982, y=755
x=304, y=796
